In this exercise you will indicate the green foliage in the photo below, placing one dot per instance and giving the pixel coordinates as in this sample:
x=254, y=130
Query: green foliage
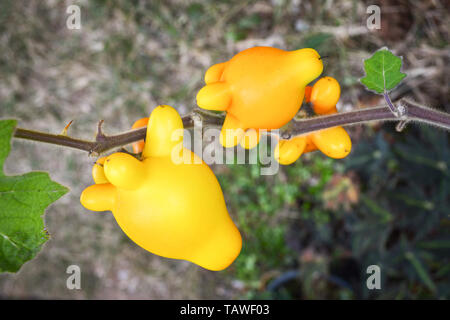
x=317, y=41
x=406, y=232
x=400, y=222
x=195, y=11
x=382, y=71
x=254, y=204
x=387, y=204
x=23, y=200
x=243, y=27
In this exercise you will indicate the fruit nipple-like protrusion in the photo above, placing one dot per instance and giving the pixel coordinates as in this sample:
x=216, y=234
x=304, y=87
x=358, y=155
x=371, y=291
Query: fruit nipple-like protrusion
x=162, y=135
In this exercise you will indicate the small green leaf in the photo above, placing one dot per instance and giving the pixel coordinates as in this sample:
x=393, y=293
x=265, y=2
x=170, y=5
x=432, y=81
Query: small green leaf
x=23, y=200
x=382, y=71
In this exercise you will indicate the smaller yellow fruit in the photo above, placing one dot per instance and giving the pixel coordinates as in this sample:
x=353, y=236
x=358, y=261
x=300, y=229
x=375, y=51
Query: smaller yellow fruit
x=307, y=97
x=333, y=142
x=324, y=95
x=288, y=151
x=98, y=172
x=138, y=146
x=99, y=197
x=124, y=171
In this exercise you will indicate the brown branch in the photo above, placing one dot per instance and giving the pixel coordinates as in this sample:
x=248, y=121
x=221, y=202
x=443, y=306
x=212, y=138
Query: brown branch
x=412, y=112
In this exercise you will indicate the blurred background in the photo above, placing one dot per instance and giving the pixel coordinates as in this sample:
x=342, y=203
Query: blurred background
x=311, y=231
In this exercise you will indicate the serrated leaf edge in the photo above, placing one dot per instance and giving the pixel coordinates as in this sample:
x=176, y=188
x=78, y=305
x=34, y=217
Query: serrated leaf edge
x=365, y=76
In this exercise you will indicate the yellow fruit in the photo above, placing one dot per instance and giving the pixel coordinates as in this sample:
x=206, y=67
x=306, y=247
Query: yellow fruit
x=288, y=151
x=173, y=210
x=324, y=95
x=124, y=171
x=97, y=171
x=308, y=93
x=138, y=146
x=99, y=197
x=334, y=142
x=310, y=146
x=259, y=88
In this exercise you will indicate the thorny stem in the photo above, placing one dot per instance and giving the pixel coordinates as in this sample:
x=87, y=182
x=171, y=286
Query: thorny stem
x=103, y=143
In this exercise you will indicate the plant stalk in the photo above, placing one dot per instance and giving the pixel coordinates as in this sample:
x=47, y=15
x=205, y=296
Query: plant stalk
x=413, y=112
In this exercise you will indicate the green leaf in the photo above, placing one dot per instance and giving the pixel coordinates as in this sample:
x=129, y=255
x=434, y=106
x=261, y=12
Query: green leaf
x=421, y=271
x=316, y=41
x=6, y=132
x=382, y=71
x=23, y=200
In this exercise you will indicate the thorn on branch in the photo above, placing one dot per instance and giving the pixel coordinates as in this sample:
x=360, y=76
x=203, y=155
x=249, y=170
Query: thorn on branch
x=66, y=128
x=401, y=125
x=100, y=135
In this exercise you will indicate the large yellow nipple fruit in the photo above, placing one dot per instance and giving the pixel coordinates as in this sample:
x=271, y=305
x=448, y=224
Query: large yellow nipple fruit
x=259, y=88
x=172, y=209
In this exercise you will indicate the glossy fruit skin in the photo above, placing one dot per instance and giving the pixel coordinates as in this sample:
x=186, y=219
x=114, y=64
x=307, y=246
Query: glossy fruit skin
x=173, y=210
x=288, y=151
x=324, y=95
x=259, y=88
x=139, y=145
x=333, y=142
x=98, y=174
